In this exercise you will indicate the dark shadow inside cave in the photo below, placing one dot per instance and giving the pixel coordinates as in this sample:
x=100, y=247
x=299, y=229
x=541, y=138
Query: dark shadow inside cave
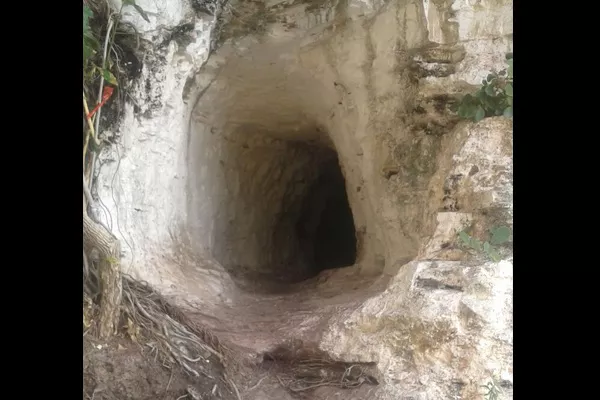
x=290, y=217
x=325, y=226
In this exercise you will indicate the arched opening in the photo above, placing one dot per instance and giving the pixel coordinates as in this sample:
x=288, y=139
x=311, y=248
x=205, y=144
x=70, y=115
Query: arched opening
x=284, y=185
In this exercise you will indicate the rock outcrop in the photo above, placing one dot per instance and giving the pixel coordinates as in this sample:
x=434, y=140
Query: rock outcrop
x=208, y=183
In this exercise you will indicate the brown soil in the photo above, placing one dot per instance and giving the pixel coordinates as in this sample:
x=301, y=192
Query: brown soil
x=122, y=369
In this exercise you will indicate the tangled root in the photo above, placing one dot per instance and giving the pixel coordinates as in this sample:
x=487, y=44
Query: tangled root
x=302, y=368
x=150, y=320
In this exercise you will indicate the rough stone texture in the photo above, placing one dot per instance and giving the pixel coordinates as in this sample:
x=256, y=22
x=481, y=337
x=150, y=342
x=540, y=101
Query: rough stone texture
x=210, y=171
x=443, y=327
x=143, y=184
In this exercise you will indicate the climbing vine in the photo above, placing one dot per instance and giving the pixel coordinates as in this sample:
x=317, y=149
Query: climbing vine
x=494, y=98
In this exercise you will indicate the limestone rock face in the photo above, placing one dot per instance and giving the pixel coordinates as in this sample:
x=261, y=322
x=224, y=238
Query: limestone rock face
x=212, y=185
x=443, y=326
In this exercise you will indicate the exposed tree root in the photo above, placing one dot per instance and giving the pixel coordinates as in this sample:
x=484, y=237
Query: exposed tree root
x=97, y=240
x=303, y=368
x=162, y=329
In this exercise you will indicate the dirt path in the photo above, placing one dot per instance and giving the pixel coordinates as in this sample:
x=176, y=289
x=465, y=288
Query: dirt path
x=120, y=370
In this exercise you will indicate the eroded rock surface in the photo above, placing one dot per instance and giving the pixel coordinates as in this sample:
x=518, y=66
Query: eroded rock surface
x=209, y=182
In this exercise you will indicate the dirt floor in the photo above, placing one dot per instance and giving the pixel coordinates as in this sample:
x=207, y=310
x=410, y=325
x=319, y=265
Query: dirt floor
x=122, y=369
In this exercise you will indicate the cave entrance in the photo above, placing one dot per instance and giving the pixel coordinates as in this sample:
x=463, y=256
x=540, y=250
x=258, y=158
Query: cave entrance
x=325, y=226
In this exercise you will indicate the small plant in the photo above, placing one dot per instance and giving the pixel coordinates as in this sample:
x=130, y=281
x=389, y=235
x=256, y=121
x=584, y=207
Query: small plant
x=103, y=51
x=494, y=98
x=498, y=236
x=90, y=44
x=492, y=390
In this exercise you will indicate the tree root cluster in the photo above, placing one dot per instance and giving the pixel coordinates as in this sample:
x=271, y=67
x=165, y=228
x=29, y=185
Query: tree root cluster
x=149, y=319
x=302, y=369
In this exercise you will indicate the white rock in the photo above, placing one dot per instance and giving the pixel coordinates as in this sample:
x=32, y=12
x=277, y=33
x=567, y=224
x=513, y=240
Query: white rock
x=438, y=324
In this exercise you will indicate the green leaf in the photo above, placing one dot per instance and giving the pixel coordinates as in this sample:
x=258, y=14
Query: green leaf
x=489, y=90
x=476, y=244
x=109, y=77
x=502, y=73
x=500, y=235
x=486, y=247
x=508, y=112
x=509, y=101
x=141, y=11
x=493, y=254
x=467, y=110
x=465, y=237
x=488, y=102
x=484, y=82
x=479, y=114
x=87, y=14
x=508, y=89
x=87, y=52
x=128, y=2
x=91, y=41
x=510, y=68
x=468, y=98
x=464, y=110
x=472, y=112
x=490, y=77
x=90, y=45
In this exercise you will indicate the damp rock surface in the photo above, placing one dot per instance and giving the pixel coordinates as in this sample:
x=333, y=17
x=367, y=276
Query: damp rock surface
x=303, y=186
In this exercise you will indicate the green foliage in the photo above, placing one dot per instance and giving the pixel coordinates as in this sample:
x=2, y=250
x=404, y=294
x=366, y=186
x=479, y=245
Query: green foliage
x=492, y=391
x=498, y=236
x=87, y=14
x=90, y=43
x=93, y=66
x=494, y=98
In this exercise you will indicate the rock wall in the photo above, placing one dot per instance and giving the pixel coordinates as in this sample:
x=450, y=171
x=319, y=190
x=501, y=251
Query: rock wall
x=213, y=161
x=443, y=326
